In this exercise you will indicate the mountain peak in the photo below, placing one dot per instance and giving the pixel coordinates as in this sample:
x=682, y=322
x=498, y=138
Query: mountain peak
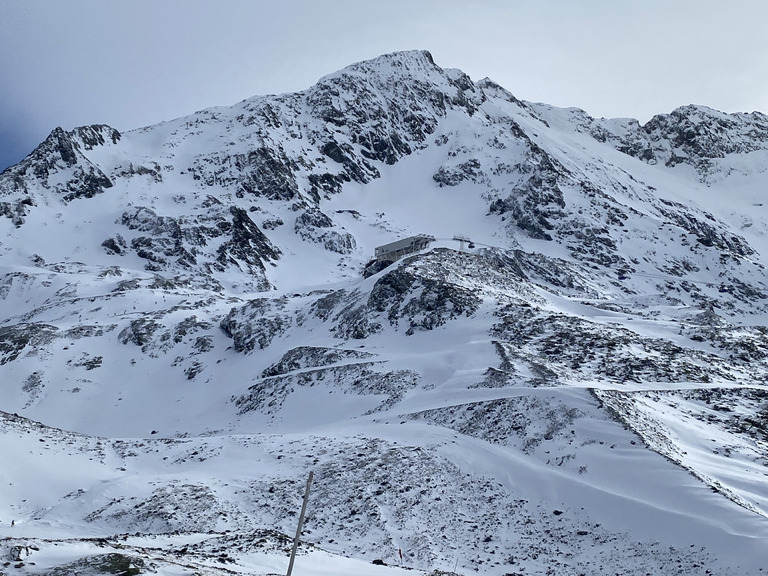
x=411, y=64
x=406, y=59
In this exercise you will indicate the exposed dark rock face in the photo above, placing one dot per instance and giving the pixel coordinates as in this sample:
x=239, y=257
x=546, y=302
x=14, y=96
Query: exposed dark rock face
x=185, y=341
x=418, y=297
x=413, y=298
x=573, y=347
x=386, y=129
x=527, y=422
x=694, y=135
x=164, y=239
x=33, y=385
x=86, y=183
x=326, y=184
x=60, y=155
x=15, y=211
x=112, y=563
x=256, y=324
x=115, y=245
x=14, y=339
x=314, y=226
x=265, y=171
x=311, y=356
x=706, y=230
x=154, y=172
x=140, y=332
x=336, y=369
x=373, y=112
x=248, y=247
x=425, y=303
x=95, y=135
x=466, y=171
x=170, y=243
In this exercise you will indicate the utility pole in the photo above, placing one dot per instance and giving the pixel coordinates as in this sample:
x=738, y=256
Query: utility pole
x=301, y=523
x=462, y=240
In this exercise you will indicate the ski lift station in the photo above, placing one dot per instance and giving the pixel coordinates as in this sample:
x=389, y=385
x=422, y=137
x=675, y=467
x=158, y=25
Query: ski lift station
x=396, y=250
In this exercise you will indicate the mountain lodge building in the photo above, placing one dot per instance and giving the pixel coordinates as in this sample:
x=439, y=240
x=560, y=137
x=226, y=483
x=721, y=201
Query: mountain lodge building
x=396, y=250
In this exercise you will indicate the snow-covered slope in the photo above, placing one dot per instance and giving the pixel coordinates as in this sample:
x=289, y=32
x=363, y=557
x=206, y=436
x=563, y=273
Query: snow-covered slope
x=570, y=379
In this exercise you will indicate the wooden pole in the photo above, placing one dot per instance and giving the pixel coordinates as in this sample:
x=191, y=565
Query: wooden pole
x=301, y=523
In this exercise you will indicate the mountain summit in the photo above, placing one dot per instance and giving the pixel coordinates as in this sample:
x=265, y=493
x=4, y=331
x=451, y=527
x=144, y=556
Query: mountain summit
x=507, y=338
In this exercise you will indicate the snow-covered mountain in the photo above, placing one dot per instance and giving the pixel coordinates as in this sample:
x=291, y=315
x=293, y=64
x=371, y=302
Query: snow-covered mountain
x=570, y=379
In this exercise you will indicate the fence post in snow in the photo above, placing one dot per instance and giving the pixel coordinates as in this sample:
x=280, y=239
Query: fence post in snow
x=301, y=522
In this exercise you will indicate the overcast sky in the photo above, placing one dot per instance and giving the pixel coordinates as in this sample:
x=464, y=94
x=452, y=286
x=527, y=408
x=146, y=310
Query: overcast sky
x=130, y=63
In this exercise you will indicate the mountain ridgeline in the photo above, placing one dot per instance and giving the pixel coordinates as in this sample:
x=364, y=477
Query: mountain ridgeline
x=571, y=372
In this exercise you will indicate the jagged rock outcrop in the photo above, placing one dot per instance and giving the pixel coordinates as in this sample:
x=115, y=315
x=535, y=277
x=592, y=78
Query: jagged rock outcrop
x=60, y=166
x=14, y=339
x=697, y=135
